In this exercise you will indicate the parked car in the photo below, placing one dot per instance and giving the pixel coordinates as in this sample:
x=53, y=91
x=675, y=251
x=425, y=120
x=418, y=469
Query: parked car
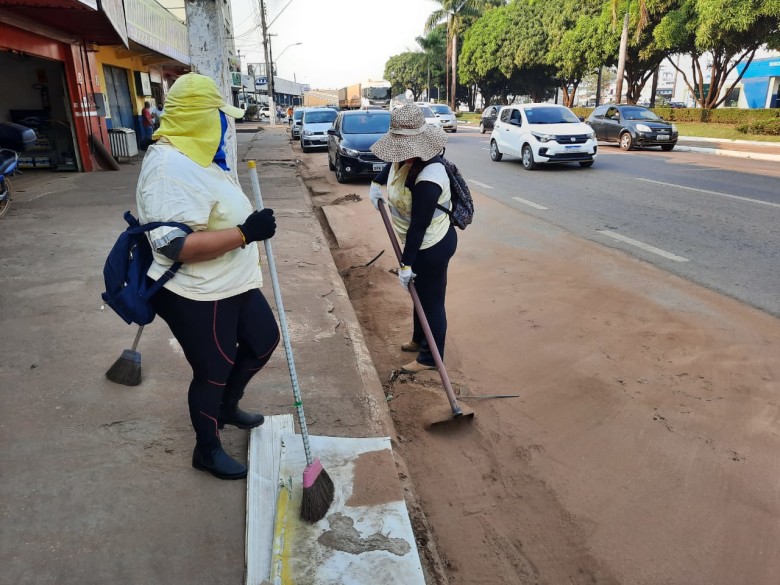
x=350, y=141
x=430, y=117
x=677, y=105
x=542, y=133
x=314, y=127
x=488, y=119
x=297, y=117
x=446, y=116
x=632, y=126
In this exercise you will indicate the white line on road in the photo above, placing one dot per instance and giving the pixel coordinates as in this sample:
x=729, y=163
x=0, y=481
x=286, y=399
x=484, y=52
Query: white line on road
x=529, y=203
x=643, y=246
x=711, y=192
x=478, y=184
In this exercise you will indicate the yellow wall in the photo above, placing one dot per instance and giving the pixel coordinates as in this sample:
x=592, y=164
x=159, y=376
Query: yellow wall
x=120, y=57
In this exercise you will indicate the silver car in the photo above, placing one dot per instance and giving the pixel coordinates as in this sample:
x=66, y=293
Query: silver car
x=297, y=118
x=446, y=117
x=314, y=127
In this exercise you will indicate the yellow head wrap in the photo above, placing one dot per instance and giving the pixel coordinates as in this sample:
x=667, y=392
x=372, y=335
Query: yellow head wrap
x=190, y=120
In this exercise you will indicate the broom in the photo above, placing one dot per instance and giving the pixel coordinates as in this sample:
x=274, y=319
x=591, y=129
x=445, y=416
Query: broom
x=127, y=369
x=318, y=490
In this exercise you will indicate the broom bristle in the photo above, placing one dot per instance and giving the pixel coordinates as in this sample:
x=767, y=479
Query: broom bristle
x=318, y=493
x=127, y=369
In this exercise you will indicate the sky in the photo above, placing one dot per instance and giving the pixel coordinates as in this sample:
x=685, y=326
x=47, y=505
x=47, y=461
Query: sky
x=343, y=41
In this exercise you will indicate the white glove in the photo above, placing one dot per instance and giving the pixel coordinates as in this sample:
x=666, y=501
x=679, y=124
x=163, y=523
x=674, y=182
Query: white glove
x=375, y=194
x=405, y=275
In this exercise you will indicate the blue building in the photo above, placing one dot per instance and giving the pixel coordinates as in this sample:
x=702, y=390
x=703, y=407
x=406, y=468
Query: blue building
x=760, y=83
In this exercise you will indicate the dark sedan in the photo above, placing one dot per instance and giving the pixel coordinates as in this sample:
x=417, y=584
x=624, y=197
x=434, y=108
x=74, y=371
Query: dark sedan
x=350, y=141
x=488, y=119
x=632, y=126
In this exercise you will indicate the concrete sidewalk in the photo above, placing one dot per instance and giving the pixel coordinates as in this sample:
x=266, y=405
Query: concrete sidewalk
x=97, y=485
x=751, y=149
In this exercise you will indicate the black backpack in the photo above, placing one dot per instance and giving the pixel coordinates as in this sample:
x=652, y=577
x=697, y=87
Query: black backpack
x=462, y=212
x=127, y=289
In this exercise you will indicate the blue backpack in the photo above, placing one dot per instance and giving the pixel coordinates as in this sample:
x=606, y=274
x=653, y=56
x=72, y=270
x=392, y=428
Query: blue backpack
x=127, y=287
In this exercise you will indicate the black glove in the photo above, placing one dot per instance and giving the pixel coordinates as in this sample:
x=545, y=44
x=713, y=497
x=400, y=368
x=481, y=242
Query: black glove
x=261, y=225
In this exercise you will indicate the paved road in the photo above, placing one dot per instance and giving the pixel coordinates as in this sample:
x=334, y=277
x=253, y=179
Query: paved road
x=712, y=220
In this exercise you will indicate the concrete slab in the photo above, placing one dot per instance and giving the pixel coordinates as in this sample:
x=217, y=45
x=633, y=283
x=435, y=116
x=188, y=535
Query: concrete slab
x=366, y=536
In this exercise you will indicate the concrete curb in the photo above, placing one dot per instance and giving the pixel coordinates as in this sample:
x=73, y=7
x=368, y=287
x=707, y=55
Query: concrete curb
x=731, y=153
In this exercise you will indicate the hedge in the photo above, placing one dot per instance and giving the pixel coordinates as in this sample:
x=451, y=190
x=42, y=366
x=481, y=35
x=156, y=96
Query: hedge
x=766, y=127
x=717, y=116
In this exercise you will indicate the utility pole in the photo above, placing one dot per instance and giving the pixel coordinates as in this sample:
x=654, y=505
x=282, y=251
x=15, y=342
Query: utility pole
x=269, y=67
x=209, y=56
x=598, y=86
x=622, y=57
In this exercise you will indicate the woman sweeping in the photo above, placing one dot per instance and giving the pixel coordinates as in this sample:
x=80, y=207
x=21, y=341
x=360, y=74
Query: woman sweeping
x=213, y=305
x=418, y=195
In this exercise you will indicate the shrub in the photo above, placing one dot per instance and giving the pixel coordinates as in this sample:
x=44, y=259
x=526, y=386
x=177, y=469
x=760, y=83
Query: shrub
x=765, y=127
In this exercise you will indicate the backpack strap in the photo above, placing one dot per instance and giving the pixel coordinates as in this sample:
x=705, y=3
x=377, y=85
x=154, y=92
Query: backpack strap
x=137, y=228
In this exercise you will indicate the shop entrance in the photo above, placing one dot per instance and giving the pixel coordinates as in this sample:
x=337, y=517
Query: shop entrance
x=38, y=99
x=120, y=105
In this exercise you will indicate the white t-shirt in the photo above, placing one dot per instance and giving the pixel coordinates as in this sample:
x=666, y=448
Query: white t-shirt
x=400, y=200
x=172, y=187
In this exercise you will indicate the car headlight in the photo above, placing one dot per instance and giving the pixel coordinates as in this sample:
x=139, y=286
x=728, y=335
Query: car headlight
x=543, y=137
x=674, y=127
x=590, y=135
x=349, y=151
x=643, y=128
x=307, y=132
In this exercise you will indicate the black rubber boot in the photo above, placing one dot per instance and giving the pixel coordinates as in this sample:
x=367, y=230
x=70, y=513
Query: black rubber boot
x=218, y=463
x=239, y=418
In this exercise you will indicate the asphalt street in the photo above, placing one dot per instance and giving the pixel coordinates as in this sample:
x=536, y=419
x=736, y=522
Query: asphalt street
x=713, y=221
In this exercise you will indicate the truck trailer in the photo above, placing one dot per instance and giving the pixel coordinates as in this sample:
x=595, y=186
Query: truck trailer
x=365, y=94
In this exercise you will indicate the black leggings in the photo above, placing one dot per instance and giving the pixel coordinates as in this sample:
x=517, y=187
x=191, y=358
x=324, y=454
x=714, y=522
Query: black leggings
x=226, y=342
x=430, y=266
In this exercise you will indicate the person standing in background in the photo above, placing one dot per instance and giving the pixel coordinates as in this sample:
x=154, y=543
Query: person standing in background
x=147, y=126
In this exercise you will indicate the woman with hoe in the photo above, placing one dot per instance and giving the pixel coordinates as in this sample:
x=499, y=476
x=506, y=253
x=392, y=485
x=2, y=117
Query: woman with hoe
x=418, y=195
x=213, y=305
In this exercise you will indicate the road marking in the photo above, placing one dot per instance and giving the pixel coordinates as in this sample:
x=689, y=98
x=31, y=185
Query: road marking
x=711, y=192
x=643, y=246
x=478, y=184
x=529, y=203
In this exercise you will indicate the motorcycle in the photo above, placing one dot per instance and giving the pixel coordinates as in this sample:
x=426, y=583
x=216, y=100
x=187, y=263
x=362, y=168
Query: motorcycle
x=14, y=138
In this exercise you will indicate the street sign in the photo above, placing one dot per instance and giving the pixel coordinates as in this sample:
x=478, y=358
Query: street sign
x=261, y=81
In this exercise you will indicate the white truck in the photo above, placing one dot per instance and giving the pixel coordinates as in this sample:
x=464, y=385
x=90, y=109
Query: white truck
x=371, y=93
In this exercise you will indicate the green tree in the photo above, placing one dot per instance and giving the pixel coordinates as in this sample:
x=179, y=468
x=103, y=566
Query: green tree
x=407, y=71
x=452, y=13
x=717, y=35
x=434, y=46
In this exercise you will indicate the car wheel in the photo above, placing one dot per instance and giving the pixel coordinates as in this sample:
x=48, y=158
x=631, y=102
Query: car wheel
x=481, y=128
x=528, y=158
x=626, y=142
x=331, y=166
x=304, y=148
x=454, y=130
x=587, y=163
x=495, y=154
x=341, y=176
x=667, y=147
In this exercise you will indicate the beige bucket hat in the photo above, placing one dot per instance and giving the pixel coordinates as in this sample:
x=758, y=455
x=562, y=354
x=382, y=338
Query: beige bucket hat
x=409, y=137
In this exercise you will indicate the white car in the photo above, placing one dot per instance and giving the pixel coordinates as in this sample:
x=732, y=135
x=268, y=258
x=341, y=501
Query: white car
x=430, y=117
x=314, y=127
x=542, y=133
x=446, y=116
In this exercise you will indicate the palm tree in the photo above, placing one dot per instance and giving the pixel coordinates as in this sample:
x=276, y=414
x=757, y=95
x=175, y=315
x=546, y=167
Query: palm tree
x=453, y=12
x=433, y=45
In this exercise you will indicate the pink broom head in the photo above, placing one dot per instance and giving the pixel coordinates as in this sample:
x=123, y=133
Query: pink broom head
x=311, y=473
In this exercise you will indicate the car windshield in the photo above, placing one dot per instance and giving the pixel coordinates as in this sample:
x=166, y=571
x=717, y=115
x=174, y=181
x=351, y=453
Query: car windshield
x=427, y=112
x=366, y=124
x=639, y=114
x=319, y=117
x=441, y=109
x=378, y=93
x=550, y=115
